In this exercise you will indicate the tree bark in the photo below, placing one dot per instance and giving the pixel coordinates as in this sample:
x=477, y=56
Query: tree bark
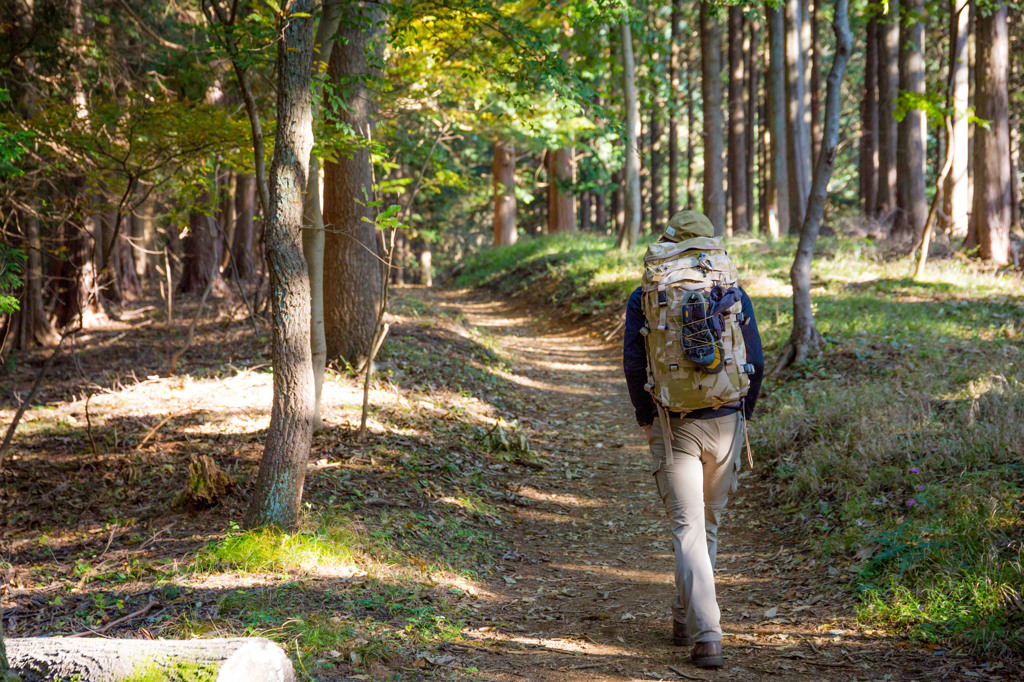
x=656, y=162
x=711, y=89
x=992, y=204
x=252, y=659
x=244, y=242
x=691, y=145
x=957, y=204
x=805, y=337
x=777, y=105
x=737, y=123
x=674, y=61
x=798, y=131
x=630, y=232
x=561, y=202
x=504, y=170
x=277, y=495
x=888, y=129
x=352, y=254
x=750, y=100
x=869, y=123
x=814, y=82
x=911, y=202
x=34, y=328
x=201, y=261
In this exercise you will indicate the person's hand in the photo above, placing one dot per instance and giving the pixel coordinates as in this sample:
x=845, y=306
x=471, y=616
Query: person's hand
x=647, y=430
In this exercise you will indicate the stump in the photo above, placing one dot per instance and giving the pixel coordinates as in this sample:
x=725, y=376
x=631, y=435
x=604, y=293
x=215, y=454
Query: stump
x=252, y=659
x=206, y=485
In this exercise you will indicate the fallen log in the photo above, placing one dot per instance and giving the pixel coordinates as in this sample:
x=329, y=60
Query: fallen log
x=252, y=659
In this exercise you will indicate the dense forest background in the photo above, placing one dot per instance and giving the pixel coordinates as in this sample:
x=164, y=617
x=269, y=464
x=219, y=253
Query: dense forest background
x=289, y=168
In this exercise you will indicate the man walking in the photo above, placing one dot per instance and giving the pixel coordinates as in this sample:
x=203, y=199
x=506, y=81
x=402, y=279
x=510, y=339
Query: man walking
x=693, y=362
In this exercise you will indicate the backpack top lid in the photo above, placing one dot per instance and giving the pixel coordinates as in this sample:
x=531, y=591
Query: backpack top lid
x=686, y=225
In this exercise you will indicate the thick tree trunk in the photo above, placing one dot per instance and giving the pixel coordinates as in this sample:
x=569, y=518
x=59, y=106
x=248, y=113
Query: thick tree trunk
x=244, y=242
x=630, y=207
x=142, y=233
x=711, y=89
x=738, y=148
x=990, y=215
x=504, y=171
x=911, y=202
x=805, y=336
x=869, y=123
x=352, y=255
x=201, y=261
x=674, y=62
x=561, y=203
x=798, y=130
x=34, y=328
x=277, y=495
x=777, y=105
x=253, y=659
x=888, y=128
x=691, y=126
x=957, y=204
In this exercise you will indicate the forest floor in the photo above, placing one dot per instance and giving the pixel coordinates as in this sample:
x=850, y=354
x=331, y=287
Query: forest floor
x=441, y=549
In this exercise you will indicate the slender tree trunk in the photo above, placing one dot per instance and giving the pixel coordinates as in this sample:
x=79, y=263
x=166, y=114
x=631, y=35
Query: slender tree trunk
x=798, y=131
x=227, y=186
x=691, y=145
x=805, y=337
x=737, y=123
x=561, y=203
x=244, y=243
x=777, y=104
x=630, y=233
x=957, y=204
x=673, y=107
x=601, y=211
x=992, y=204
x=33, y=322
x=888, y=135
x=911, y=202
x=504, y=169
x=1015, y=200
x=277, y=495
x=201, y=260
x=869, y=123
x=352, y=253
x=814, y=82
x=656, y=163
x=750, y=99
x=711, y=89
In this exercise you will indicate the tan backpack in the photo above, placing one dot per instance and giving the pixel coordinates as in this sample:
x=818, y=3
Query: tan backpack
x=696, y=357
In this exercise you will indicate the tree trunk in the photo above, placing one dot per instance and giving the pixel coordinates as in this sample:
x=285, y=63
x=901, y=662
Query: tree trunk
x=798, y=131
x=777, y=104
x=561, y=203
x=352, y=255
x=656, y=162
x=630, y=207
x=911, y=202
x=814, y=82
x=675, y=48
x=504, y=170
x=869, y=123
x=227, y=186
x=33, y=323
x=750, y=100
x=244, y=242
x=711, y=89
x=992, y=205
x=805, y=336
x=691, y=145
x=957, y=204
x=201, y=261
x=601, y=211
x=426, y=266
x=277, y=495
x=737, y=123
x=252, y=659
x=888, y=135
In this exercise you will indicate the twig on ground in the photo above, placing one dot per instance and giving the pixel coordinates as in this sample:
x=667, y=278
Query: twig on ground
x=131, y=616
x=150, y=541
x=88, y=425
x=685, y=676
x=771, y=558
x=164, y=421
x=28, y=399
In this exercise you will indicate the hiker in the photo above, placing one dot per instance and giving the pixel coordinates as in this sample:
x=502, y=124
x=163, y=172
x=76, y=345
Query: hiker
x=693, y=363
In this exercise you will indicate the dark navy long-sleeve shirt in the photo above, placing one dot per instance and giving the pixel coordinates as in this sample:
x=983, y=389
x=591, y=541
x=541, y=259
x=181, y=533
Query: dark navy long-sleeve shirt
x=634, y=362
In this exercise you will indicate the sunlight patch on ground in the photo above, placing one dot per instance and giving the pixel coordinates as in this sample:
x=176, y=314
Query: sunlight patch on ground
x=563, y=644
x=564, y=499
x=539, y=385
x=623, y=575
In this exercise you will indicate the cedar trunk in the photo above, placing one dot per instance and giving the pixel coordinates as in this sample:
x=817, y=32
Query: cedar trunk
x=504, y=170
x=751, y=48
x=656, y=161
x=911, y=202
x=869, y=123
x=738, y=142
x=777, y=116
x=711, y=89
x=630, y=207
x=277, y=495
x=673, y=108
x=244, y=243
x=888, y=129
x=957, y=203
x=352, y=252
x=201, y=263
x=798, y=130
x=561, y=202
x=990, y=216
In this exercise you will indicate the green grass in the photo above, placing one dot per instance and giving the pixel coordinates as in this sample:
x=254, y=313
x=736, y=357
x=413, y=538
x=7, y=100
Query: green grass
x=900, y=447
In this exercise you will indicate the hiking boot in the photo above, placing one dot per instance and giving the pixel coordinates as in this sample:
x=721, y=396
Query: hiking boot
x=707, y=655
x=680, y=637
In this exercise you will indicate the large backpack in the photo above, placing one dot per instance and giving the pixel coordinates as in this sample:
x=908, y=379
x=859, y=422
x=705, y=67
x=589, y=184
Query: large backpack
x=696, y=357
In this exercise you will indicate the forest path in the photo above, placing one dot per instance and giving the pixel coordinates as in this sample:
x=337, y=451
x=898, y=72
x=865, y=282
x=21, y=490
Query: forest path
x=586, y=594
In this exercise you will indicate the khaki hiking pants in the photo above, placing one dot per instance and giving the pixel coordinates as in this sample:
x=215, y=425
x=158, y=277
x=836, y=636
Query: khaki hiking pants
x=695, y=487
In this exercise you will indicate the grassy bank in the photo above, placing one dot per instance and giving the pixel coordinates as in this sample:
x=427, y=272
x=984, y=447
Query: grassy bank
x=900, y=447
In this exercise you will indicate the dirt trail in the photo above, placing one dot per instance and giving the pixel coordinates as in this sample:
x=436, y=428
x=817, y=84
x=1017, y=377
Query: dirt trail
x=586, y=594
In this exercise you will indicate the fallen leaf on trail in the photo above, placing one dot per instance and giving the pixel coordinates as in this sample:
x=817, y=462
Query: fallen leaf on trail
x=628, y=616
x=772, y=612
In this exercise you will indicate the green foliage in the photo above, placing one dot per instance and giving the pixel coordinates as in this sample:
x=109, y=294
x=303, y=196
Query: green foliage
x=174, y=672
x=12, y=261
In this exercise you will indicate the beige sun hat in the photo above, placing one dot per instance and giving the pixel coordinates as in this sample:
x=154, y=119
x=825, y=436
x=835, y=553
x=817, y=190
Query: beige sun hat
x=688, y=224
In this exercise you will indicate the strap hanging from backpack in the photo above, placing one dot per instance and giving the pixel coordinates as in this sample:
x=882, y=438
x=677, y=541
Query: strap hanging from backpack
x=666, y=432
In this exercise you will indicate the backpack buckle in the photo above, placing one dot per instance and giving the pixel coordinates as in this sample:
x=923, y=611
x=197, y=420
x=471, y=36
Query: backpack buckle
x=662, y=299
x=704, y=263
